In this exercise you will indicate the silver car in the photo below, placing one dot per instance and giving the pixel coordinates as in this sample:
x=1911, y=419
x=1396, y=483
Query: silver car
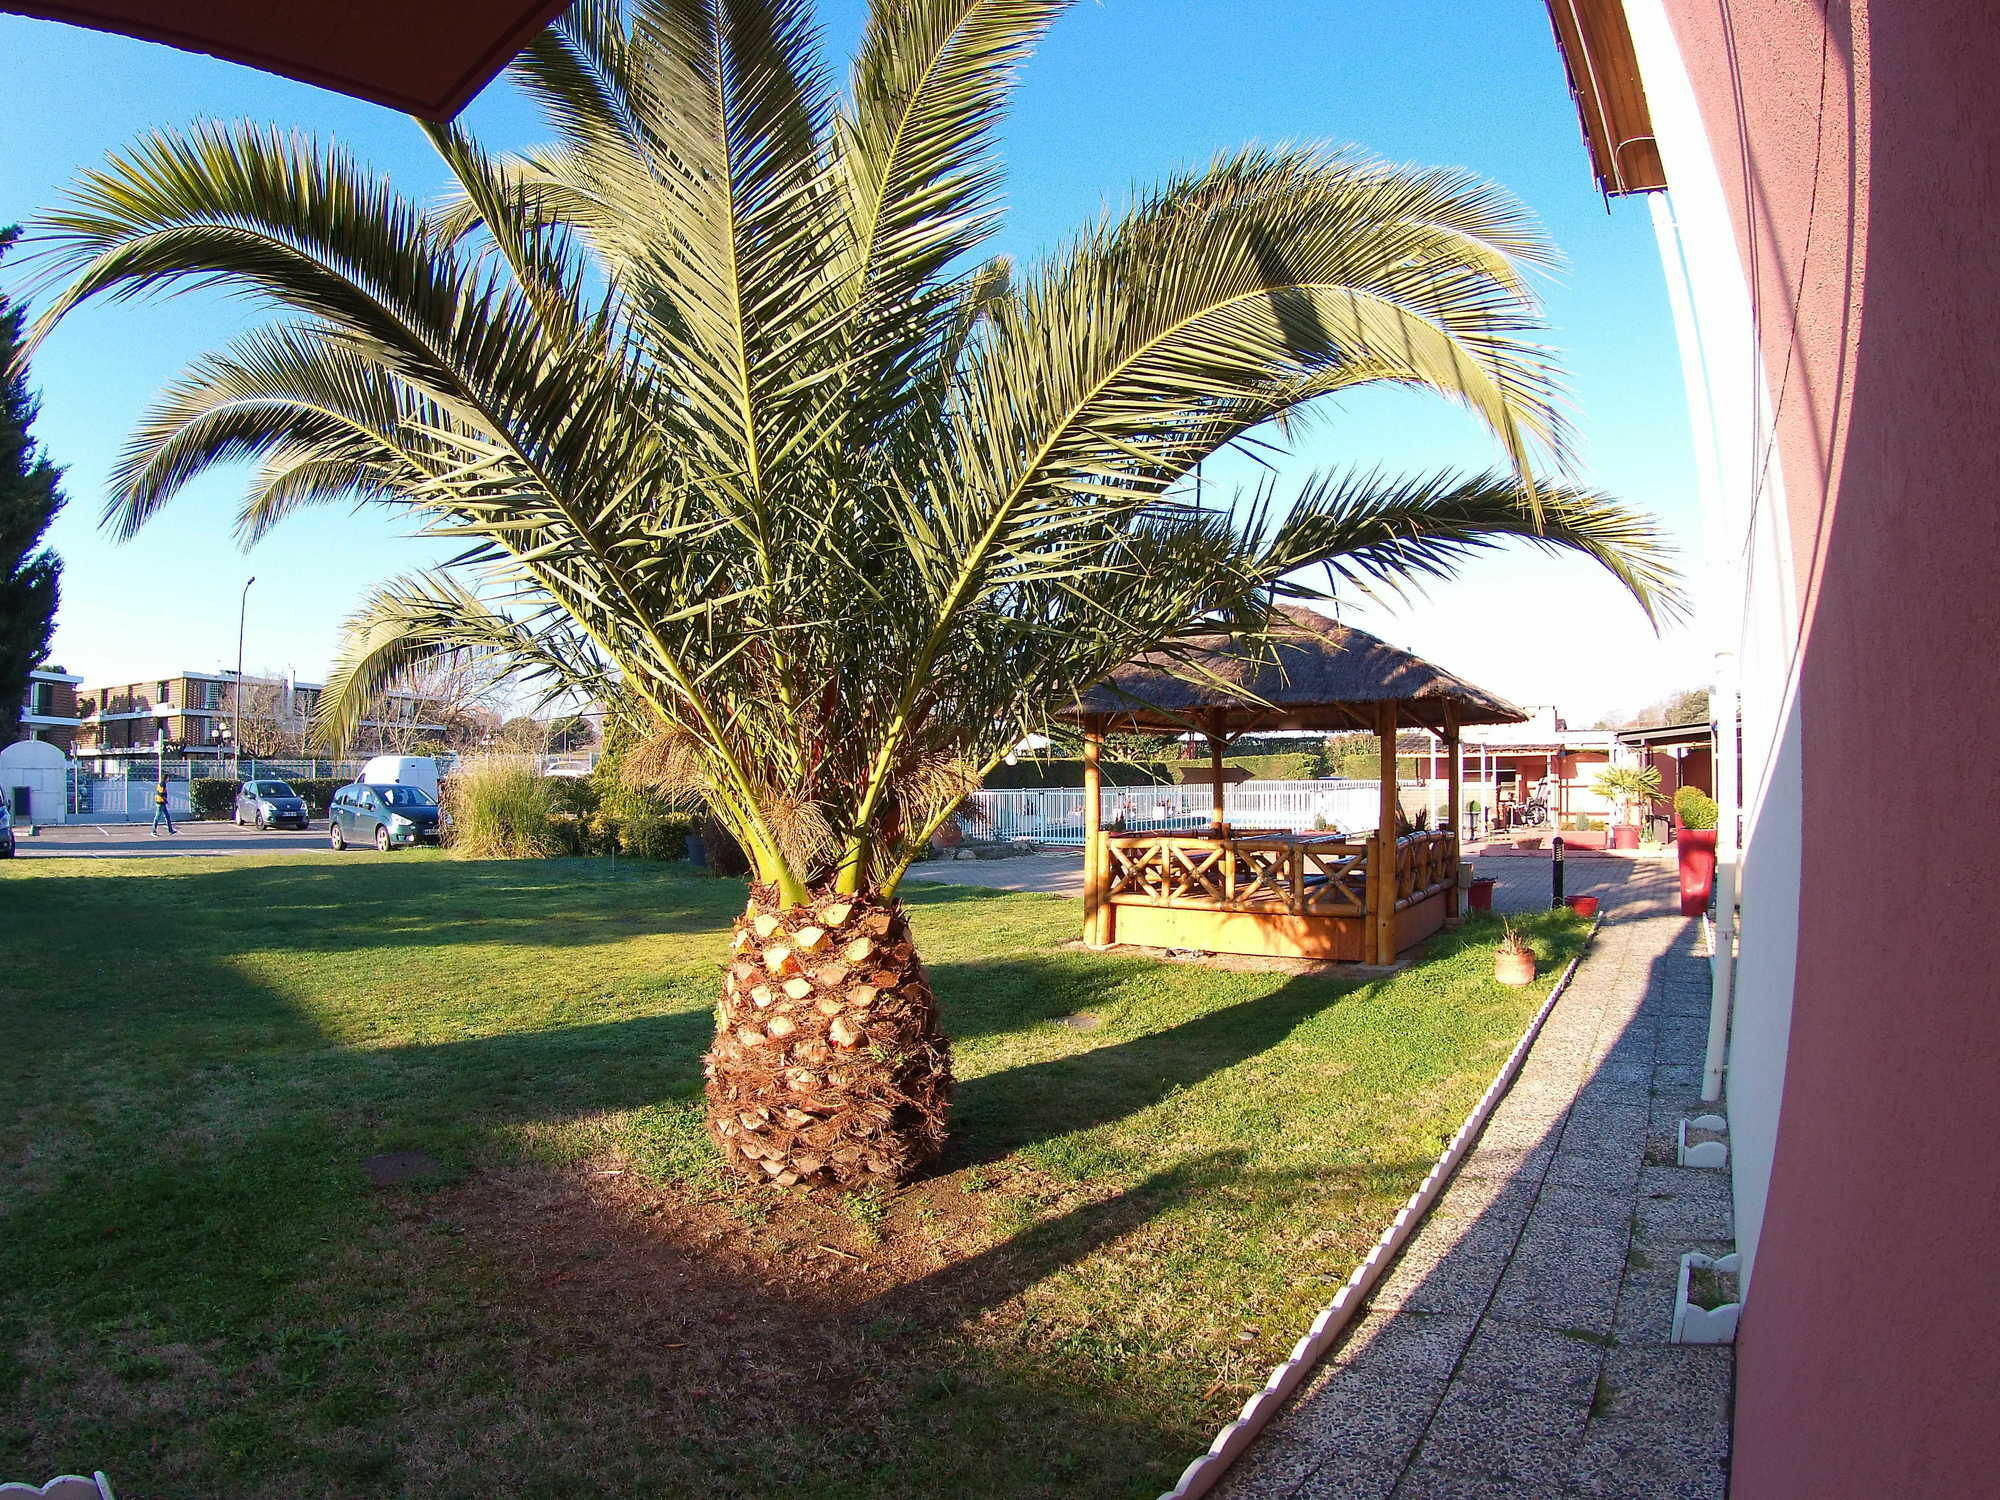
x=270, y=804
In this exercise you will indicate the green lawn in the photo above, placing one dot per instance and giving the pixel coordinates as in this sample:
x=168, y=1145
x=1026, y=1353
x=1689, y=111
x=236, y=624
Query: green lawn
x=351, y=1177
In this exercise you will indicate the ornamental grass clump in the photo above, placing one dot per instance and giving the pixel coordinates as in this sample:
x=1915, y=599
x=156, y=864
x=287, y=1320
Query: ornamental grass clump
x=731, y=421
x=497, y=807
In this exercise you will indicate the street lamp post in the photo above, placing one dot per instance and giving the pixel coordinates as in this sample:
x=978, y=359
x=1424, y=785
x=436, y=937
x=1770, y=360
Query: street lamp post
x=161, y=718
x=236, y=729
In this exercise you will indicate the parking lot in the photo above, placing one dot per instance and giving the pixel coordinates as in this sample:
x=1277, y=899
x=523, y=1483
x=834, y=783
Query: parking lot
x=135, y=841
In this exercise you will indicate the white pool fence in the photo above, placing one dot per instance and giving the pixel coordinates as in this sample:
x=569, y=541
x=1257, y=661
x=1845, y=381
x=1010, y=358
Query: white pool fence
x=1054, y=815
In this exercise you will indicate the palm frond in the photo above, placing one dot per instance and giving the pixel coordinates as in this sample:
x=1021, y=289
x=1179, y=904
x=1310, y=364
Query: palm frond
x=1374, y=533
x=420, y=618
x=732, y=427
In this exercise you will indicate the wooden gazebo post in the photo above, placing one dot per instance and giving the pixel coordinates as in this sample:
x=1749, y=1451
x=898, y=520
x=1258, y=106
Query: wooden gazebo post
x=1383, y=860
x=1452, y=894
x=1217, y=810
x=1094, y=859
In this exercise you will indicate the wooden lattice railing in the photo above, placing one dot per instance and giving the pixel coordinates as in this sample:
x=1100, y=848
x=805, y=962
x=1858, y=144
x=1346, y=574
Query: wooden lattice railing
x=1268, y=873
x=1426, y=863
x=1303, y=876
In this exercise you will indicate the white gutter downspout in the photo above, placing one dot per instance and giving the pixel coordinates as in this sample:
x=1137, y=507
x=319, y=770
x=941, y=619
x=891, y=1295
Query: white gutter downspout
x=1723, y=608
x=1728, y=852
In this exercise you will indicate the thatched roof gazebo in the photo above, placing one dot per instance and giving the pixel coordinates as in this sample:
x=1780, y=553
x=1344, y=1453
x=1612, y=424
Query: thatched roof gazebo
x=1297, y=893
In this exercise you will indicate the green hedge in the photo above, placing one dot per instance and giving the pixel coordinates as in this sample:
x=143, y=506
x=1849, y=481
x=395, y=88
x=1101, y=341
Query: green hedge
x=318, y=792
x=1295, y=765
x=1298, y=765
x=1069, y=772
x=653, y=835
x=212, y=796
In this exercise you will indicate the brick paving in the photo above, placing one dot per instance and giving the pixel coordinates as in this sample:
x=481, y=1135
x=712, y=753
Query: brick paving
x=1519, y=1346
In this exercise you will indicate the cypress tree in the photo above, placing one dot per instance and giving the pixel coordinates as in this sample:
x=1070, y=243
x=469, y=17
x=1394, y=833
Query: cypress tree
x=30, y=574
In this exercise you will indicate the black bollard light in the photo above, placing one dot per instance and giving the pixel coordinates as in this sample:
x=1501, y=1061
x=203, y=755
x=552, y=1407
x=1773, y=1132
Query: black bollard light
x=1556, y=871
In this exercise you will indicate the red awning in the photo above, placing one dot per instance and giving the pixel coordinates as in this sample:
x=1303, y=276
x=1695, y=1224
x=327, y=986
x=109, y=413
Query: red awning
x=425, y=57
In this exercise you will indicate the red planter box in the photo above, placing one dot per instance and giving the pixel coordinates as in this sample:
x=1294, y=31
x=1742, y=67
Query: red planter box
x=1696, y=847
x=1479, y=895
x=1625, y=836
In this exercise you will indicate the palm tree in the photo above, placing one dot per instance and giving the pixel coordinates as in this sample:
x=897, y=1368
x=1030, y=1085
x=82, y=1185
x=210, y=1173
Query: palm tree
x=740, y=431
x=1627, y=787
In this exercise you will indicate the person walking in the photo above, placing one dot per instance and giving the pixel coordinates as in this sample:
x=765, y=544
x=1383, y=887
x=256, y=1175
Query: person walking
x=161, y=812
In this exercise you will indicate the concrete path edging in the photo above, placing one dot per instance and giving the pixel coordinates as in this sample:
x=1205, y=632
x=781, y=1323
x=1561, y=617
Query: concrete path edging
x=1206, y=1471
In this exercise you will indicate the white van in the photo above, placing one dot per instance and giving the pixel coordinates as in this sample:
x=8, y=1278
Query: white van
x=419, y=771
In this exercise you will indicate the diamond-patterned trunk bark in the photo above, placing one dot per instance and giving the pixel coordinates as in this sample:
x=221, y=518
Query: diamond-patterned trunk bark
x=828, y=1066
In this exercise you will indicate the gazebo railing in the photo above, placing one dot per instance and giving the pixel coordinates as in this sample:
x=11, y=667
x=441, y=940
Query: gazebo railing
x=1325, y=876
x=1426, y=863
x=1299, y=875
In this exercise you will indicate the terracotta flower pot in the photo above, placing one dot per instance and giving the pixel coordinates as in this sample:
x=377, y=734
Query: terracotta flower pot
x=1695, y=848
x=1625, y=836
x=1583, y=906
x=1479, y=895
x=1513, y=968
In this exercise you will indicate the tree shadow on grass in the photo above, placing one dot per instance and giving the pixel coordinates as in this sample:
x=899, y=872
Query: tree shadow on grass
x=525, y=1326
x=999, y=1113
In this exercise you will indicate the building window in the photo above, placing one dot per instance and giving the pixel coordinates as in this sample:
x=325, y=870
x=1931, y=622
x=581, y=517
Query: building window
x=45, y=697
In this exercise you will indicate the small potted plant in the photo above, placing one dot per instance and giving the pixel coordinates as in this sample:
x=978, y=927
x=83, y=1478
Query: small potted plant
x=1514, y=959
x=1628, y=788
x=1695, y=817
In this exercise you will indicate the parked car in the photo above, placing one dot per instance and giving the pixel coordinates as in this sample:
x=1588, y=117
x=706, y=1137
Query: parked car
x=570, y=768
x=6, y=832
x=389, y=816
x=270, y=804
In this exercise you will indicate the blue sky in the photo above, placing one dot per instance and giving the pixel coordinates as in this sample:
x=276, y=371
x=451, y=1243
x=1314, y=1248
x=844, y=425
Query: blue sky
x=1123, y=92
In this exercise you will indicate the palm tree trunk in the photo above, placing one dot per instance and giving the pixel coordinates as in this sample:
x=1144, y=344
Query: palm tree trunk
x=829, y=1067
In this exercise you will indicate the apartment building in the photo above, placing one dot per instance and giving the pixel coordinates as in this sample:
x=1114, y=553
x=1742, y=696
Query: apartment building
x=49, y=712
x=197, y=712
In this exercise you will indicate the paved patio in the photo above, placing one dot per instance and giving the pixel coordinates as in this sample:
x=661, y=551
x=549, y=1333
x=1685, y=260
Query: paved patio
x=1057, y=873
x=1519, y=1347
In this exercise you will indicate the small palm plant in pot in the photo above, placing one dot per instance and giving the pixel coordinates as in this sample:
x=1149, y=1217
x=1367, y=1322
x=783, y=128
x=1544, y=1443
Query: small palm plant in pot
x=1630, y=790
x=1514, y=959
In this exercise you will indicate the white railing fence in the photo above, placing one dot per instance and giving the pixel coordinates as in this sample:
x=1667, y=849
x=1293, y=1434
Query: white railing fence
x=122, y=791
x=108, y=799
x=1054, y=815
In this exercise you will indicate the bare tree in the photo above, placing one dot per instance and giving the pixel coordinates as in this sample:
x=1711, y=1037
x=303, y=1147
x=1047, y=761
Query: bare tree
x=445, y=704
x=265, y=718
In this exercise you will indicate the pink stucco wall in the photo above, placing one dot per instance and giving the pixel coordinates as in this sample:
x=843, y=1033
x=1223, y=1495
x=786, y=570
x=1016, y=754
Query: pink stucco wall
x=1861, y=143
